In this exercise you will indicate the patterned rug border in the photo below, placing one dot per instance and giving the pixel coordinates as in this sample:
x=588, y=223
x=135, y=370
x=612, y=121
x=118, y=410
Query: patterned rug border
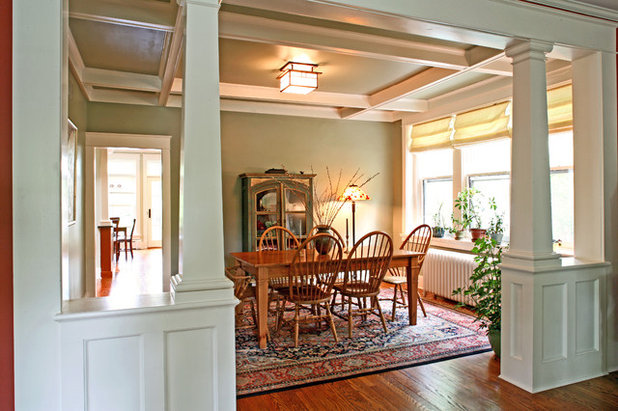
x=426, y=358
x=346, y=377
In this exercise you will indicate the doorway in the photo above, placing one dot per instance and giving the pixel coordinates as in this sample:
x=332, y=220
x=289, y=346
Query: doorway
x=128, y=176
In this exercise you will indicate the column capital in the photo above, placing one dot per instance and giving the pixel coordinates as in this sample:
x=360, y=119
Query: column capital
x=208, y=3
x=531, y=49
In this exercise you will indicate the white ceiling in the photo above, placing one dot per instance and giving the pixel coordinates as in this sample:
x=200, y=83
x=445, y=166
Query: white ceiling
x=129, y=51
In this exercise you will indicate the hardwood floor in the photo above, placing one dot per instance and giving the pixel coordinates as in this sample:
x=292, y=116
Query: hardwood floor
x=141, y=274
x=468, y=383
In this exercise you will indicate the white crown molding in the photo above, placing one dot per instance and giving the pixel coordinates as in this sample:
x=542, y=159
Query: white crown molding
x=579, y=7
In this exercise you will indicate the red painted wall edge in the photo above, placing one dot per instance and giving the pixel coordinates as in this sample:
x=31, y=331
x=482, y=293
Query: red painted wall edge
x=7, y=391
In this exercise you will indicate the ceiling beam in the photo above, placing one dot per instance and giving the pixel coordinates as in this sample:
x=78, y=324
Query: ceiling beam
x=153, y=15
x=260, y=29
x=173, y=57
x=421, y=81
x=285, y=109
x=121, y=80
x=77, y=66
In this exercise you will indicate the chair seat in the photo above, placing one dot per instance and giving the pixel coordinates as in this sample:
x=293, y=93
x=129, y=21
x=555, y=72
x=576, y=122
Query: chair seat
x=354, y=290
x=395, y=279
x=304, y=290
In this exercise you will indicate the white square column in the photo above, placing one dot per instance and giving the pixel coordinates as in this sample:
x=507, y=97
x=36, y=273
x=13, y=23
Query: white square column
x=201, y=255
x=553, y=308
x=531, y=236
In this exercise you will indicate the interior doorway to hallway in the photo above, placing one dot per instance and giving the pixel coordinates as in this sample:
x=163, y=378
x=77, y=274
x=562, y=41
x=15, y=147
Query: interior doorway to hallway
x=133, y=198
x=128, y=177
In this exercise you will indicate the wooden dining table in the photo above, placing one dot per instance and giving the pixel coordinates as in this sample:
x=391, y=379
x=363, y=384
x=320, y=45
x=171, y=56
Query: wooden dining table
x=264, y=265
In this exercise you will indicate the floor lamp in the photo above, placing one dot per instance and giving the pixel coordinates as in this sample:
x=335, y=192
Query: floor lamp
x=353, y=193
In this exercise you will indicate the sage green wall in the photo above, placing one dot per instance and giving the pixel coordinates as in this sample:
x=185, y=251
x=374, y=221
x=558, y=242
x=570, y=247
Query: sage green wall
x=78, y=114
x=257, y=142
x=134, y=119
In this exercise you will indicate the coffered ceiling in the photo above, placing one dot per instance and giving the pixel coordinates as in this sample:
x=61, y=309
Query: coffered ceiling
x=130, y=51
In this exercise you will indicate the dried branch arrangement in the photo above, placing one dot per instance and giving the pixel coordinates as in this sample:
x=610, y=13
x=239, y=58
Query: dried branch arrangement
x=326, y=203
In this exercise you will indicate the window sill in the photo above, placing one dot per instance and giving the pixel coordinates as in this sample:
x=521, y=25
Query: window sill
x=452, y=244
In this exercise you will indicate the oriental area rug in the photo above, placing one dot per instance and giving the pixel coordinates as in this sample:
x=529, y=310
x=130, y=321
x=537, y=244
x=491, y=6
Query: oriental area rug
x=442, y=335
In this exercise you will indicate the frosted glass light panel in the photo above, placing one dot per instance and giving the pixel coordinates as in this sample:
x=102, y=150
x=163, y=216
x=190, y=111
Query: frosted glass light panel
x=298, y=78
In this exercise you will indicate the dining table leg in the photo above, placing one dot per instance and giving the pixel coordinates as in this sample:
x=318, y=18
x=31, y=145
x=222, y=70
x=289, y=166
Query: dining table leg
x=261, y=295
x=412, y=279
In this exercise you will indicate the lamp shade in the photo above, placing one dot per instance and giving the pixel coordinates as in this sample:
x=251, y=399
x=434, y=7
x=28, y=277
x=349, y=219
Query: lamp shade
x=298, y=78
x=354, y=193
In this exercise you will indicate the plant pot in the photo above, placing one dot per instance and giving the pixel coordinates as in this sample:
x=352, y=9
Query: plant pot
x=438, y=232
x=477, y=233
x=494, y=341
x=459, y=235
x=497, y=237
x=323, y=245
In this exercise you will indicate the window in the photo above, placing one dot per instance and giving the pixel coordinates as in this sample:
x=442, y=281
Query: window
x=497, y=186
x=434, y=170
x=486, y=167
x=437, y=197
x=561, y=180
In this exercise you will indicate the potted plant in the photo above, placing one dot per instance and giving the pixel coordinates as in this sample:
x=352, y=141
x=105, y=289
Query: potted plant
x=496, y=225
x=485, y=288
x=476, y=210
x=438, y=223
x=464, y=204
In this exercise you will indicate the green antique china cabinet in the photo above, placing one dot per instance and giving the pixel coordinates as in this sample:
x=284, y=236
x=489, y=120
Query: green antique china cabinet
x=276, y=199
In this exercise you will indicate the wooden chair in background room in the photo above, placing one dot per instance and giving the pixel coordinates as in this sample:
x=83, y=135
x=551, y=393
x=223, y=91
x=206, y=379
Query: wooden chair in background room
x=116, y=222
x=126, y=241
x=277, y=238
x=418, y=240
x=366, y=266
x=244, y=291
x=310, y=282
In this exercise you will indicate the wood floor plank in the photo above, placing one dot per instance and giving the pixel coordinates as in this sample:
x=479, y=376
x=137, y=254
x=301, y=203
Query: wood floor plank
x=467, y=383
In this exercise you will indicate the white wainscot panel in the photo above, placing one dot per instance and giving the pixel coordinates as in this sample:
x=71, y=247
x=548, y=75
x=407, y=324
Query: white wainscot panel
x=516, y=331
x=114, y=374
x=555, y=313
x=587, y=316
x=190, y=368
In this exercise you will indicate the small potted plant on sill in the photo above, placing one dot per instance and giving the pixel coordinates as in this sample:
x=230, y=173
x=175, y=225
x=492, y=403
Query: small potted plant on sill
x=464, y=204
x=475, y=210
x=485, y=288
x=496, y=226
x=438, y=223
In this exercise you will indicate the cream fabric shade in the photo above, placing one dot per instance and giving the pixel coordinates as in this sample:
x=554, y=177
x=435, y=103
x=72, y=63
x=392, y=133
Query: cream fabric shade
x=431, y=135
x=560, y=107
x=483, y=124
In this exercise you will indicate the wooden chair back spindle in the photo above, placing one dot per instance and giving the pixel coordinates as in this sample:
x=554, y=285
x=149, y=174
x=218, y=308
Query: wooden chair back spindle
x=368, y=264
x=312, y=274
x=278, y=238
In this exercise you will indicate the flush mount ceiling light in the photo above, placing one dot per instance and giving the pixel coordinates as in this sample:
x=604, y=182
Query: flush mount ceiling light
x=298, y=78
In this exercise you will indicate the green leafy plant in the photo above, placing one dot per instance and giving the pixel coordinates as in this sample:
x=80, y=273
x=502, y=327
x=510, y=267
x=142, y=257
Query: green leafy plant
x=465, y=203
x=485, y=289
x=496, y=225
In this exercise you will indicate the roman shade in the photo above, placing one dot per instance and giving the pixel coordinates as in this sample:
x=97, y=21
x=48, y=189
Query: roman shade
x=483, y=124
x=560, y=108
x=431, y=135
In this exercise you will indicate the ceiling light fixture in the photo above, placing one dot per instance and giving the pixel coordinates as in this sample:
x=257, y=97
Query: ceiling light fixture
x=298, y=78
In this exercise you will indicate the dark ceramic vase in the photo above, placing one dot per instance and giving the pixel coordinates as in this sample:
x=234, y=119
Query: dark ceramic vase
x=323, y=245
